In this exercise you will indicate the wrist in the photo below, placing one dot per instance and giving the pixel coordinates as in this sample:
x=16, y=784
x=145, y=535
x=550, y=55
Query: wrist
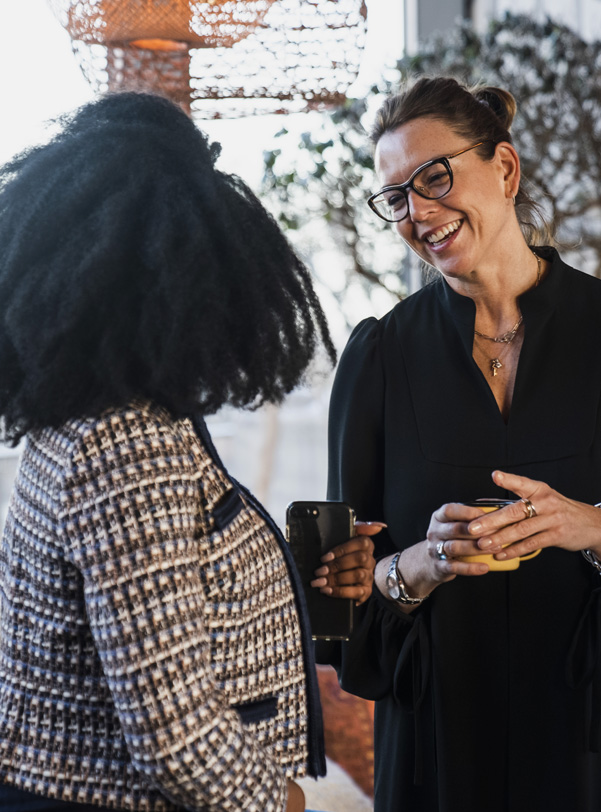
x=416, y=566
x=413, y=572
x=397, y=587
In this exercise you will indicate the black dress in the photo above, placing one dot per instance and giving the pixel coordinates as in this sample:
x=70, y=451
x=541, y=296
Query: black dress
x=488, y=696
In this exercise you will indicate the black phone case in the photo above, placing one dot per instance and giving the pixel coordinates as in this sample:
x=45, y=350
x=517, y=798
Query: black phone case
x=313, y=528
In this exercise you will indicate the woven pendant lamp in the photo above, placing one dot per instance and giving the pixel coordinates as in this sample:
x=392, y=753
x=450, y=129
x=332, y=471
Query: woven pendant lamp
x=220, y=58
x=148, y=22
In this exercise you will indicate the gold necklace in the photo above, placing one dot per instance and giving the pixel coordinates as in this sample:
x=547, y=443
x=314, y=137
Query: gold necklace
x=507, y=338
x=496, y=363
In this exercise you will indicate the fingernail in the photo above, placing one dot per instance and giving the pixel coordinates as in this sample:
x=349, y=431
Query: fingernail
x=328, y=557
x=497, y=476
x=474, y=528
x=484, y=543
x=326, y=590
x=322, y=571
x=375, y=524
x=500, y=556
x=319, y=582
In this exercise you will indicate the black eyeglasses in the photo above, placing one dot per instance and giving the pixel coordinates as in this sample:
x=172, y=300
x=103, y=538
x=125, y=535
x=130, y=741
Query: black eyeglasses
x=431, y=180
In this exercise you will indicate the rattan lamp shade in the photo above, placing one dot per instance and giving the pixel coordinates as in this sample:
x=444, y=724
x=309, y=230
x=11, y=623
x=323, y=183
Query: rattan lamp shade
x=201, y=25
x=220, y=58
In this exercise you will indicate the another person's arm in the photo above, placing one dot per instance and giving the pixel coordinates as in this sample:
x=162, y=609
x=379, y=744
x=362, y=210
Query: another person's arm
x=368, y=661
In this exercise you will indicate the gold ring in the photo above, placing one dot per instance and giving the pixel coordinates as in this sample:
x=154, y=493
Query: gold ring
x=529, y=508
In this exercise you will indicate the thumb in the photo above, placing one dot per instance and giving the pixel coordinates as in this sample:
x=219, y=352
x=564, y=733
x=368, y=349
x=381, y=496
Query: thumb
x=369, y=528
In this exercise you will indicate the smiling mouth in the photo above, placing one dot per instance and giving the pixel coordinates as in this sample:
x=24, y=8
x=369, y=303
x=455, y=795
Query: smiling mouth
x=439, y=236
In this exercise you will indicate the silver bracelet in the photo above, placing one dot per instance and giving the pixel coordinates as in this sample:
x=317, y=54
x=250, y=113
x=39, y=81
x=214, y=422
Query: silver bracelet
x=395, y=584
x=592, y=557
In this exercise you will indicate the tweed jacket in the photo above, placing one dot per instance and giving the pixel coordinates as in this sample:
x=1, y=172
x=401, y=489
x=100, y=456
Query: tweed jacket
x=153, y=651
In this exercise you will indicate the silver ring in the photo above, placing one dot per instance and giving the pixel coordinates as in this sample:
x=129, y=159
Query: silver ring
x=529, y=508
x=440, y=554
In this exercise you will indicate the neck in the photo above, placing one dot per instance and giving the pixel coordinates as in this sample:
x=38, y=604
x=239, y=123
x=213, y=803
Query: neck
x=496, y=287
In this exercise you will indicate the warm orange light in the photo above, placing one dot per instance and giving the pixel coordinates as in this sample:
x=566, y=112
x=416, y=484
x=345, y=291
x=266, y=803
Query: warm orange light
x=157, y=24
x=160, y=44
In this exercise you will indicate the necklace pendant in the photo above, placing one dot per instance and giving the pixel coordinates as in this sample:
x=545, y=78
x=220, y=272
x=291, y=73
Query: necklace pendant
x=495, y=364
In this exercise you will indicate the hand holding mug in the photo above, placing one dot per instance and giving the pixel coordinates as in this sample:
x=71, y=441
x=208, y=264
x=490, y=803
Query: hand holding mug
x=540, y=518
x=488, y=506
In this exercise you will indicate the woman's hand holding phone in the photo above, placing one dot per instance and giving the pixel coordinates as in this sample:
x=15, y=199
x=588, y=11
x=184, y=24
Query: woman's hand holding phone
x=347, y=570
x=333, y=562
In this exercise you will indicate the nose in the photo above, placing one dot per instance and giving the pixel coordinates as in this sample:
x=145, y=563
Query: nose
x=418, y=207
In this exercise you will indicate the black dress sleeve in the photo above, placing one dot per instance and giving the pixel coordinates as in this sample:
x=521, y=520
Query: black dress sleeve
x=371, y=663
x=355, y=427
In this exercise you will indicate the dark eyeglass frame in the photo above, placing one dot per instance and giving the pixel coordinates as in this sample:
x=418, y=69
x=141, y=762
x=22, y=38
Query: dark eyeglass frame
x=410, y=184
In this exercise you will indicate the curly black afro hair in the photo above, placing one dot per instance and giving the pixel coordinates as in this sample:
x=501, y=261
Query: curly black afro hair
x=130, y=267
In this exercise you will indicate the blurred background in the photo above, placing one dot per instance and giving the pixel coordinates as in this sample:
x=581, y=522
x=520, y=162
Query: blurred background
x=311, y=163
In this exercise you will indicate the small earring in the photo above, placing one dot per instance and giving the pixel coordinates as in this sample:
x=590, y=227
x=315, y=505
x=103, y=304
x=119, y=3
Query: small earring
x=513, y=199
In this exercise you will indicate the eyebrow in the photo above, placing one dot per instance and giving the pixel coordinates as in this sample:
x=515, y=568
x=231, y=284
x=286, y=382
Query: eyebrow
x=455, y=154
x=412, y=175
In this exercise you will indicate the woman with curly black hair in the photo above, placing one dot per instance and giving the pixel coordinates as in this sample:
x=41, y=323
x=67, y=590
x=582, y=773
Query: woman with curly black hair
x=154, y=650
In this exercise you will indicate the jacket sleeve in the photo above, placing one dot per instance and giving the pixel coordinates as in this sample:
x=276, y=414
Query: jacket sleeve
x=133, y=519
x=356, y=465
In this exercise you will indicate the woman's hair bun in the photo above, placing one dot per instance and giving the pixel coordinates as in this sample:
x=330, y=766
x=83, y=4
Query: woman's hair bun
x=500, y=101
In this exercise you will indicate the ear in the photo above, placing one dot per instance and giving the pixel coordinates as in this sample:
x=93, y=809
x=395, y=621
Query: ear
x=509, y=165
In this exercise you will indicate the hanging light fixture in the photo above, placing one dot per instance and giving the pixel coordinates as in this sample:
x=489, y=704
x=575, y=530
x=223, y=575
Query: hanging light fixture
x=220, y=58
x=157, y=23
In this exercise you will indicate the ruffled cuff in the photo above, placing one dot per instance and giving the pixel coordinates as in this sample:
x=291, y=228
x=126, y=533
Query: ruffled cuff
x=389, y=654
x=369, y=658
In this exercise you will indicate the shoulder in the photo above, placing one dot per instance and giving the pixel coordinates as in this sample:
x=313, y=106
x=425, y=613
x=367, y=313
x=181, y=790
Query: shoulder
x=138, y=421
x=568, y=277
x=582, y=282
x=375, y=345
x=133, y=435
x=575, y=294
x=371, y=332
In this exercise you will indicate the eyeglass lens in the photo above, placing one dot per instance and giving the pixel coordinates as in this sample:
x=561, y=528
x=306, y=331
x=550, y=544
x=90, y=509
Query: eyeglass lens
x=432, y=182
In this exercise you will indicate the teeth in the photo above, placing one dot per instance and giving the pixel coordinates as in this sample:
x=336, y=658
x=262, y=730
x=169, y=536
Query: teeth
x=443, y=232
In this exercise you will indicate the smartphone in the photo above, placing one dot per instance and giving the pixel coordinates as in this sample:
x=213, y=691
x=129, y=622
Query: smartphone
x=312, y=529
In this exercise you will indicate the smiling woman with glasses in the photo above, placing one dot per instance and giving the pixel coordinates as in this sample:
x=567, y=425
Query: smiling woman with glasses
x=431, y=180
x=484, y=384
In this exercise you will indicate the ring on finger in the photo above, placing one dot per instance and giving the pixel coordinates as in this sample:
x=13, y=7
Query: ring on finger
x=529, y=508
x=440, y=553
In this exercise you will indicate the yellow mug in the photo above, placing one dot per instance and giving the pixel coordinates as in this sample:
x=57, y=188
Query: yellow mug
x=488, y=505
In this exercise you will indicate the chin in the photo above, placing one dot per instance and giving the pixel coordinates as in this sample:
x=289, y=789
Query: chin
x=452, y=270
x=453, y=267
